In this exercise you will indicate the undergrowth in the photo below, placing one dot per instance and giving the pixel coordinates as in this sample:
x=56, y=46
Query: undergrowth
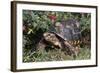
x=54, y=55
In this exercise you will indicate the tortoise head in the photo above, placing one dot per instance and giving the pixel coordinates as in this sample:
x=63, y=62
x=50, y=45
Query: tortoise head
x=51, y=38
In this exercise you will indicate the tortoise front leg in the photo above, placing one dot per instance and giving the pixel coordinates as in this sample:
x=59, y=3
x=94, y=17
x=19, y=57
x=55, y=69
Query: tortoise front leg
x=71, y=50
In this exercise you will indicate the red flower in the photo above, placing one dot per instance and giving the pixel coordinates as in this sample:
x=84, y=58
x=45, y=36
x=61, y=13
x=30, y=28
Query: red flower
x=52, y=17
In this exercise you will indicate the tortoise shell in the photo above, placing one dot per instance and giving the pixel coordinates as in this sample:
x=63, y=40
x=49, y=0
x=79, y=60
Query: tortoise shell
x=67, y=29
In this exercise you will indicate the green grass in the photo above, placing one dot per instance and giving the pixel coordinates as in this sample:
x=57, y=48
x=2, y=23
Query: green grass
x=85, y=53
x=54, y=55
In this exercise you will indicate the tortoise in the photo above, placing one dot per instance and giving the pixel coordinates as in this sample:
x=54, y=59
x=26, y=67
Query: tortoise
x=61, y=34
